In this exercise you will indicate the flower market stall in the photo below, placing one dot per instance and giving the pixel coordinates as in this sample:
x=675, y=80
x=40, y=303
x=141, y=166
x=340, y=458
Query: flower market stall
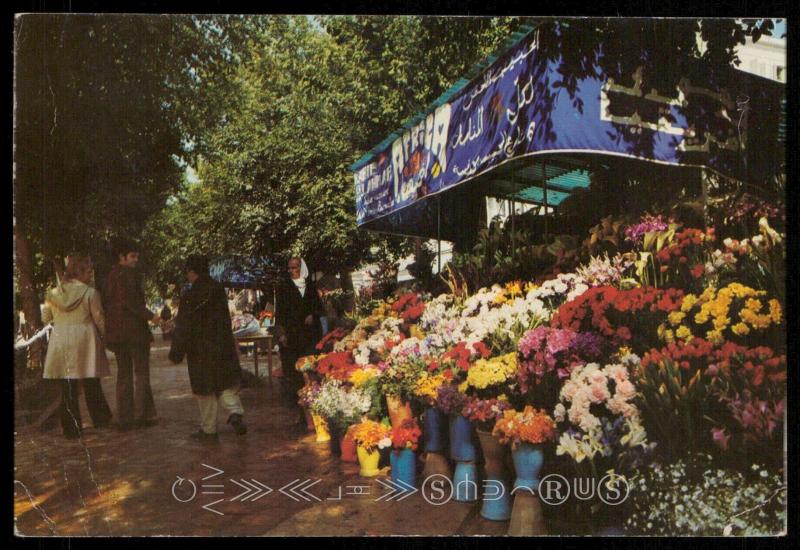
x=645, y=368
x=672, y=385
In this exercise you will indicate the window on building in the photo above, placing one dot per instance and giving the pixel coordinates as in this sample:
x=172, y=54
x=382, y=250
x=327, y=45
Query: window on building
x=780, y=73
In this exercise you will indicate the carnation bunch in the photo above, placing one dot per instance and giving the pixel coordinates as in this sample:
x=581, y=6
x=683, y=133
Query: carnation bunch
x=529, y=426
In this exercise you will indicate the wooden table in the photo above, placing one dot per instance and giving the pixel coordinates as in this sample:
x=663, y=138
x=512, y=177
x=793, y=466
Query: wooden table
x=257, y=340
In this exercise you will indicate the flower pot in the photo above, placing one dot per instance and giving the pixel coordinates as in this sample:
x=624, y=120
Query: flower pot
x=461, y=446
x=404, y=466
x=465, y=482
x=432, y=430
x=348, y=448
x=496, y=494
x=369, y=461
x=526, y=515
x=528, y=460
x=321, y=427
x=399, y=410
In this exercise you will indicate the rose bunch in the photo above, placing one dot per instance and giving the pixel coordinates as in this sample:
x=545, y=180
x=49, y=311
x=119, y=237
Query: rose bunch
x=337, y=365
x=329, y=340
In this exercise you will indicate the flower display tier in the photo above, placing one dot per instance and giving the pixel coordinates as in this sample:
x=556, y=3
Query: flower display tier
x=659, y=342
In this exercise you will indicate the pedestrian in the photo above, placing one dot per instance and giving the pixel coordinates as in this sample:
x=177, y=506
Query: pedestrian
x=129, y=336
x=76, y=354
x=297, y=327
x=203, y=335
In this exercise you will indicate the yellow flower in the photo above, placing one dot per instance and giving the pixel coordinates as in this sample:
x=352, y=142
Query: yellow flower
x=753, y=304
x=683, y=333
x=416, y=332
x=669, y=336
x=688, y=302
x=428, y=386
x=462, y=387
x=500, y=299
x=490, y=372
x=714, y=336
x=623, y=351
x=676, y=317
x=514, y=288
x=775, y=312
x=740, y=329
x=361, y=376
x=530, y=287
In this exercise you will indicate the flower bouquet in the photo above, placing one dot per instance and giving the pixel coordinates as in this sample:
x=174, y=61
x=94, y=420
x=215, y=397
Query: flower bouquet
x=734, y=312
x=370, y=437
x=532, y=426
x=483, y=413
x=336, y=365
x=328, y=341
x=340, y=405
x=548, y=355
x=598, y=416
x=406, y=436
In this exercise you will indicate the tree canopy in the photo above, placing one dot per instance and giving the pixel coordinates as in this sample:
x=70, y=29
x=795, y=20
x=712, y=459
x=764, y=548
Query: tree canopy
x=269, y=111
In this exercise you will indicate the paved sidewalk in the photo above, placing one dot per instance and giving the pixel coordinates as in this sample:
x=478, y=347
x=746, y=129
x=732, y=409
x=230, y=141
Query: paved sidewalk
x=110, y=483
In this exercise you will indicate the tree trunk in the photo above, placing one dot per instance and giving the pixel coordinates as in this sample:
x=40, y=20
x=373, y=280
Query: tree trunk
x=29, y=298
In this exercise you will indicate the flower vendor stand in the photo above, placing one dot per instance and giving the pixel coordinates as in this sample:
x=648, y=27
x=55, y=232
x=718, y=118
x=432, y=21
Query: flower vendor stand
x=435, y=461
x=462, y=450
x=497, y=496
x=526, y=517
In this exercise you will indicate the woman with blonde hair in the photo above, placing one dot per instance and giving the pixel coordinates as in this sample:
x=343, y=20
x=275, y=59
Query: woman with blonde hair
x=76, y=354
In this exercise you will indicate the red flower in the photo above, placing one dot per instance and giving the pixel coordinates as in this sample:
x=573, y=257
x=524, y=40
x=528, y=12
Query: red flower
x=698, y=270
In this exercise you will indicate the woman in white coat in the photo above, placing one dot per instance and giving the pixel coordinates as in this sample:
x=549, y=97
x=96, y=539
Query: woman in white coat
x=76, y=354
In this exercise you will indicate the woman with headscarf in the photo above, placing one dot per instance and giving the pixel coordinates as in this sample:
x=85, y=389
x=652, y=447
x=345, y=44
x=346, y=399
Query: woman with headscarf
x=297, y=326
x=76, y=354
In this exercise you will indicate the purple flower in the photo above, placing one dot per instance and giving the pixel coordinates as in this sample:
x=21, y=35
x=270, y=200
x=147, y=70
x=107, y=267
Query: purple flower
x=635, y=233
x=449, y=400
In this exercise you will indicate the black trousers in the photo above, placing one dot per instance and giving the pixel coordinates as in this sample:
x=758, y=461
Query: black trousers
x=70, y=412
x=134, y=396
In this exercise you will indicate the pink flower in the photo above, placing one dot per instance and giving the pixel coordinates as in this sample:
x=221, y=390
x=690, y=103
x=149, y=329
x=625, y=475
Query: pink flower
x=720, y=438
x=626, y=389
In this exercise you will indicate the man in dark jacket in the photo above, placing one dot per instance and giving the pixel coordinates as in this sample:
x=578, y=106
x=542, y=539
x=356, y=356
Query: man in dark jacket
x=297, y=326
x=203, y=334
x=128, y=336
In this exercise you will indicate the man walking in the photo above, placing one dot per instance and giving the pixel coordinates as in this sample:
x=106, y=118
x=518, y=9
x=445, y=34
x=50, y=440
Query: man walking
x=128, y=336
x=204, y=335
